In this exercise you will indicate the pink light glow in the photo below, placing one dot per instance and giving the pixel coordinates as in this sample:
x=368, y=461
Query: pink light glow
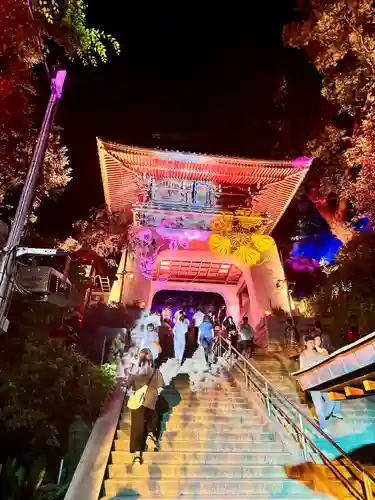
x=177, y=234
x=302, y=163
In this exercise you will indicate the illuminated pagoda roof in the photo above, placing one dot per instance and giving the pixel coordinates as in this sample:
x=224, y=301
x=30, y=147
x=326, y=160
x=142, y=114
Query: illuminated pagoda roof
x=124, y=167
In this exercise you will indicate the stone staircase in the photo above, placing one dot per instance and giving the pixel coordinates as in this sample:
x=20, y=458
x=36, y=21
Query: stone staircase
x=358, y=425
x=216, y=443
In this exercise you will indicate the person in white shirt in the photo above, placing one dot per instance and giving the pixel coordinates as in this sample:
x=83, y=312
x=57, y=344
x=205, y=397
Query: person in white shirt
x=177, y=314
x=179, y=340
x=154, y=318
x=318, y=345
x=198, y=319
x=324, y=407
x=151, y=341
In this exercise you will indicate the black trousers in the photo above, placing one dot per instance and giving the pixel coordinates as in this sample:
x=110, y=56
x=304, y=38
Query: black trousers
x=207, y=346
x=143, y=422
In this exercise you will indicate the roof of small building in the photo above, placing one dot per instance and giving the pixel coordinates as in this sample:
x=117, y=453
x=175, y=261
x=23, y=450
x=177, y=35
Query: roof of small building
x=123, y=168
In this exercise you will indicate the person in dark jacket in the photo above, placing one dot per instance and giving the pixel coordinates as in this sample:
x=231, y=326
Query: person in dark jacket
x=206, y=338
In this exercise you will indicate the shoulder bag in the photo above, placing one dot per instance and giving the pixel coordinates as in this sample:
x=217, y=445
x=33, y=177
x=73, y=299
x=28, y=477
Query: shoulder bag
x=136, y=398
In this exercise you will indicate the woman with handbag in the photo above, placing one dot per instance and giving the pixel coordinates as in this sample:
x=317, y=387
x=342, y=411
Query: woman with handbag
x=146, y=382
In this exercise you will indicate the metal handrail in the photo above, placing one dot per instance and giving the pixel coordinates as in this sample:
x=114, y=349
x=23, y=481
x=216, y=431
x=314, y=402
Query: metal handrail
x=359, y=473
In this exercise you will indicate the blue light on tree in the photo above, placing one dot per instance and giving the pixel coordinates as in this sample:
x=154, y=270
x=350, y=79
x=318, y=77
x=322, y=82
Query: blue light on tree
x=320, y=247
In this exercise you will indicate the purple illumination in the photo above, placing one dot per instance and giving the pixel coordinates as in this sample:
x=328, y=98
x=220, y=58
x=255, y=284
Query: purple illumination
x=188, y=234
x=58, y=82
x=302, y=264
x=302, y=163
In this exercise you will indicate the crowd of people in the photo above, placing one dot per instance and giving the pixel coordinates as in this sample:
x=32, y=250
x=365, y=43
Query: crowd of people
x=168, y=333
x=165, y=335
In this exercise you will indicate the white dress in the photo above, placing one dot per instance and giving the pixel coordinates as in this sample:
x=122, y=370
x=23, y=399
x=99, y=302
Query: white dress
x=151, y=341
x=179, y=338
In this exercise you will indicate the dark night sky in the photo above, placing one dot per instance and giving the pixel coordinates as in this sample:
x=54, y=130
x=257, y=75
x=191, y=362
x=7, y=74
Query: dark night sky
x=204, y=78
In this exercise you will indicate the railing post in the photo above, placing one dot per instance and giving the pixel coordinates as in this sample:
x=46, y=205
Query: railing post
x=61, y=468
x=103, y=350
x=268, y=402
x=368, y=487
x=302, y=437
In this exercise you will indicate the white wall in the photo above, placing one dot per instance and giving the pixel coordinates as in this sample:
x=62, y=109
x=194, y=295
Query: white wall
x=265, y=279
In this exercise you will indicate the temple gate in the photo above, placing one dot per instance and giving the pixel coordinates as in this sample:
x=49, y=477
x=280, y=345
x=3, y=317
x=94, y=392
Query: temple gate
x=176, y=200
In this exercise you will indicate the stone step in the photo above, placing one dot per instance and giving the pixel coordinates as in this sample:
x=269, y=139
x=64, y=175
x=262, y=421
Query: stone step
x=200, y=488
x=187, y=433
x=207, y=434
x=212, y=392
x=174, y=425
x=308, y=496
x=212, y=458
x=192, y=471
x=358, y=413
x=208, y=419
x=206, y=405
x=211, y=389
x=209, y=446
x=218, y=410
x=214, y=411
x=212, y=396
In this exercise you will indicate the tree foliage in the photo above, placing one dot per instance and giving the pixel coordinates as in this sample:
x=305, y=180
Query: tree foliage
x=43, y=388
x=338, y=38
x=26, y=31
x=348, y=293
x=104, y=233
x=66, y=23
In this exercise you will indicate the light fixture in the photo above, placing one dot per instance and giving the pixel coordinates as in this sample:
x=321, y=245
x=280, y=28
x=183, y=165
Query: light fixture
x=165, y=263
x=267, y=312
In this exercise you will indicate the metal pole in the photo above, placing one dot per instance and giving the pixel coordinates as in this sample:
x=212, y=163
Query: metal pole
x=103, y=350
x=302, y=437
x=268, y=402
x=60, y=471
x=123, y=274
x=7, y=263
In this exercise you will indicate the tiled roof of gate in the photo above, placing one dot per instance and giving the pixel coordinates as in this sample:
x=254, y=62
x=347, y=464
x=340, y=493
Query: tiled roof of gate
x=123, y=167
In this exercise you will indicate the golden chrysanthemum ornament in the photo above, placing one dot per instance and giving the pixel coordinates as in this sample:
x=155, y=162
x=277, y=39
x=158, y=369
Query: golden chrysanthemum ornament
x=262, y=242
x=220, y=244
x=246, y=254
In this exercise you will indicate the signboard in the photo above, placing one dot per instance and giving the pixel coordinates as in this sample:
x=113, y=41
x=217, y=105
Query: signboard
x=172, y=191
